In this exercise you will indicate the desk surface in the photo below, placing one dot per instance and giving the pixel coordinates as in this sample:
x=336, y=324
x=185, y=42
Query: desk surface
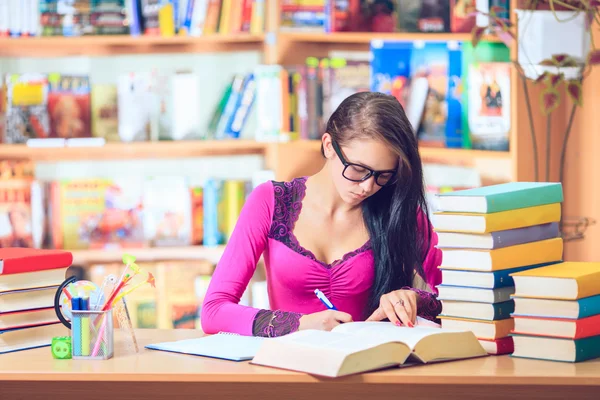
x=24, y=370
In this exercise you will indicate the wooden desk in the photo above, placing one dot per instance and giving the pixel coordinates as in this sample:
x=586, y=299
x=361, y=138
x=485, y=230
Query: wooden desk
x=34, y=374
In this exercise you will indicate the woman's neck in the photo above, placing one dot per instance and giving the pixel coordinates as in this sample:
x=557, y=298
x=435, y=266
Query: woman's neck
x=321, y=191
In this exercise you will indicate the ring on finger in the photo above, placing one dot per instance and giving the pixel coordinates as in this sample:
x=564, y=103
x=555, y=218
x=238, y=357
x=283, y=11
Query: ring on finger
x=401, y=302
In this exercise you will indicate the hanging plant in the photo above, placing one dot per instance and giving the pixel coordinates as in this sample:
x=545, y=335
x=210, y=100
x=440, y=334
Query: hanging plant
x=553, y=71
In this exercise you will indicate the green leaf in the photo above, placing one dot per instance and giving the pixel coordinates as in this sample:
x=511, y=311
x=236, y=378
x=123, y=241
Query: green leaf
x=555, y=79
x=575, y=91
x=550, y=100
x=548, y=62
x=477, y=34
x=541, y=78
x=128, y=259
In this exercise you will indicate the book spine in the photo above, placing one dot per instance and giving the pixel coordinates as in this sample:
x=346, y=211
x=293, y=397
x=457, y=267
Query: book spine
x=503, y=310
x=212, y=193
x=454, y=120
x=587, y=348
x=589, y=306
x=529, y=234
x=503, y=278
x=242, y=109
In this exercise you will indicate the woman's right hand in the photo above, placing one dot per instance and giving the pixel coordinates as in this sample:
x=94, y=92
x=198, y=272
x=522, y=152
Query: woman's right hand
x=324, y=320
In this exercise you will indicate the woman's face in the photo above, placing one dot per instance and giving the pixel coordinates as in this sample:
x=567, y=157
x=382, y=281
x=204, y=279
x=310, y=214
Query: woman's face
x=367, y=154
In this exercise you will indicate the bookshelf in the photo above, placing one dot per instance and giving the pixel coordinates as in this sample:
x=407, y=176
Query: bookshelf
x=292, y=158
x=134, y=150
x=111, y=45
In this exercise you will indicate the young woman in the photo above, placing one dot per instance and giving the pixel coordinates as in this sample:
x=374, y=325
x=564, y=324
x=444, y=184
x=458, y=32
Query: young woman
x=357, y=230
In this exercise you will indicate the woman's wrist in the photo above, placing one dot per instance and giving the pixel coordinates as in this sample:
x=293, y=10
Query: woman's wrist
x=269, y=323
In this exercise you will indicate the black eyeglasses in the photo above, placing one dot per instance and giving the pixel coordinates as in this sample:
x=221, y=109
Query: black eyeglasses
x=360, y=173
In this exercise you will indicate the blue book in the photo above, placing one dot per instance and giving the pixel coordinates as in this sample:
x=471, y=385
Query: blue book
x=225, y=346
x=398, y=69
x=551, y=308
x=502, y=197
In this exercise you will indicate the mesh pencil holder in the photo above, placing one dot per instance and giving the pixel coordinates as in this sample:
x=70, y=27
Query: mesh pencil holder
x=92, y=335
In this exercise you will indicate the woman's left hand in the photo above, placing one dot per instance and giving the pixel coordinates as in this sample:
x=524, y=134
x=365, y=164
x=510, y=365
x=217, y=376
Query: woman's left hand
x=399, y=306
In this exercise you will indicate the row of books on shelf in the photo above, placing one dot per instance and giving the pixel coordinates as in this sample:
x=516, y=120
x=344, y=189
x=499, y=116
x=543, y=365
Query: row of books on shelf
x=453, y=95
x=125, y=212
x=141, y=106
x=503, y=275
x=30, y=18
x=458, y=16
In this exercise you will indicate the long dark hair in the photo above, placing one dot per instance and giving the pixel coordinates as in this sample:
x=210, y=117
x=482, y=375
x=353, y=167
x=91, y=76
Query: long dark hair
x=391, y=215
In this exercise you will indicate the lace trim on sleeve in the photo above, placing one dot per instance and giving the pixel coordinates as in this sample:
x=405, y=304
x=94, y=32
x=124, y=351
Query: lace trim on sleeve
x=269, y=323
x=428, y=306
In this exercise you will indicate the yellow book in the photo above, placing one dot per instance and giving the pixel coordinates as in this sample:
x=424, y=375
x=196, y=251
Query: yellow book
x=234, y=195
x=489, y=330
x=564, y=281
x=166, y=20
x=500, y=221
x=540, y=252
x=225, y=18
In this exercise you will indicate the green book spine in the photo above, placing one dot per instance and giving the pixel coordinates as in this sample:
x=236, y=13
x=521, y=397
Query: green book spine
x=587, y=348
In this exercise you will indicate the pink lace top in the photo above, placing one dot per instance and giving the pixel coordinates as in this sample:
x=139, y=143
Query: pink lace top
x=265, y=227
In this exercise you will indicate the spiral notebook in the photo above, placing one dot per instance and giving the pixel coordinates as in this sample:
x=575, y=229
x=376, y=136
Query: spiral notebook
x=225, y=346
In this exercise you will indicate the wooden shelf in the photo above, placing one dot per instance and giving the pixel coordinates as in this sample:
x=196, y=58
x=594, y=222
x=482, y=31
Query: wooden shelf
x=449, y=154
x=110, y=45
x=294, y=47
x=204, y=148
x=153, y=254
x=367, y=37
x=136, y=150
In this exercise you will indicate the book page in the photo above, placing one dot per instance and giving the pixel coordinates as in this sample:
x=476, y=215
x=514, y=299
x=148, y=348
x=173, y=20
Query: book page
x=333, y=341
x=386, y=332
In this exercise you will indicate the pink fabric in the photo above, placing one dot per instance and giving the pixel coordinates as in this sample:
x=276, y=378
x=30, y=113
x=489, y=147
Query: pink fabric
x=292, y=275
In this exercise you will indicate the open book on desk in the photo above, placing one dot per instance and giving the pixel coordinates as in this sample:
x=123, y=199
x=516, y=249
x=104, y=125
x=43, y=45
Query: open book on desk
x=357, y=347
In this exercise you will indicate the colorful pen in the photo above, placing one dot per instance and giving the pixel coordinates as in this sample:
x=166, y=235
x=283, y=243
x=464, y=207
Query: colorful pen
x=325, y=300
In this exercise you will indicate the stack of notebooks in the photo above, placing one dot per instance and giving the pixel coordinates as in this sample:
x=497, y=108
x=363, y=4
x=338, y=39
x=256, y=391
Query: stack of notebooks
x=485, y=235
x=29, y=279
x=557, y=312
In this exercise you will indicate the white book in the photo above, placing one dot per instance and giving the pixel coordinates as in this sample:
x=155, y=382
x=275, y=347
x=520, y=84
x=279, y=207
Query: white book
x=358, y=347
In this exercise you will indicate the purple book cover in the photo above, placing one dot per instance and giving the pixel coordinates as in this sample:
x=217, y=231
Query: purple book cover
x=512, y=237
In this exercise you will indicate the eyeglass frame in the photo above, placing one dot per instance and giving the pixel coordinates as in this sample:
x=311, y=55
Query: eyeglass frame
x=370, y=173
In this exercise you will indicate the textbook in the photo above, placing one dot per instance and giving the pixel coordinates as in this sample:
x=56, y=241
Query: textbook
x=502, y=197
x=357, y=347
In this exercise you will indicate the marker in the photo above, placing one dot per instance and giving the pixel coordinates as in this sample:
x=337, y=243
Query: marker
x=325, y=300
x=85, y=327
x=76, y=327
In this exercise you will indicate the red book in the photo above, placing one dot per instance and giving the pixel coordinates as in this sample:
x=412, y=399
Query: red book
x=17, y=260
x=498, y=347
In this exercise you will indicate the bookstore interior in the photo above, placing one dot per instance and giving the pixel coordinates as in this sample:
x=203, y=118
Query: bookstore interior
x=116, y=207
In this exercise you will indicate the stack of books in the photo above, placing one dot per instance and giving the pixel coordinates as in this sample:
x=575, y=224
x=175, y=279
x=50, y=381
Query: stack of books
x=557, y=312
x=485, y=235
x=29, y=279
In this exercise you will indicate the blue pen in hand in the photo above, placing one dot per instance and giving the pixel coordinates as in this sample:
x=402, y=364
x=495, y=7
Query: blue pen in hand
x=325, y=300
